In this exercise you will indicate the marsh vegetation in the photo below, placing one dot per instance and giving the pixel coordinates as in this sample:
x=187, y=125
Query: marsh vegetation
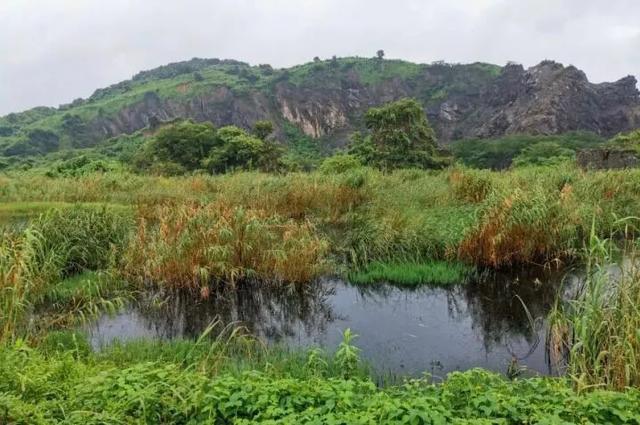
x=243, y=272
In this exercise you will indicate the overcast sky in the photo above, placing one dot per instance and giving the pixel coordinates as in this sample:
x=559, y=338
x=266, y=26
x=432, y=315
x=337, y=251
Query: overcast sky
x=52, y=51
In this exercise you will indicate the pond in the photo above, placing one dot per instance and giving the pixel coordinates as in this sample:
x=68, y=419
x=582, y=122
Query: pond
x=486, y=323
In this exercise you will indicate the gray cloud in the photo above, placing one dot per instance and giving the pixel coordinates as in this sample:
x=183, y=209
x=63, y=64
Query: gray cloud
x=56, y=50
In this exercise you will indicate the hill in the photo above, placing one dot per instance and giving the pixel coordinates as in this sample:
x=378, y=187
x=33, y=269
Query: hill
x=326, y=99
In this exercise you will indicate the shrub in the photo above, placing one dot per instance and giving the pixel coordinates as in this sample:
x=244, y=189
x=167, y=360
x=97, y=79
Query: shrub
x=339, y=163
x=498, y=154
x=470, y=185
x=235, y=150
x=543, y=153
x=185, y=143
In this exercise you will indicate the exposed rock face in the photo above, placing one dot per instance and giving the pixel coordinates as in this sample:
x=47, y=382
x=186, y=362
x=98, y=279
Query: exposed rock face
x=461, y=101
x=545, y=99
x=606, y=159
x=550, y=98
x=220, y=106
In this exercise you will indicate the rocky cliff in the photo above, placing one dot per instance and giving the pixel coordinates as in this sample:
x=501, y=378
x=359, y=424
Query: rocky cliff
x=326, y=99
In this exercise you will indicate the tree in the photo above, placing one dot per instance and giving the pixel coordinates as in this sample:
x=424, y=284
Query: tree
x=380, y=54
x=316, y=59
x=401, y=135
x=271, y=157
x=262, y=129
x=543, y=153
x=235, y=150
x=185, y=143
x=362, y=148
x=630, y=140
x=266, y=69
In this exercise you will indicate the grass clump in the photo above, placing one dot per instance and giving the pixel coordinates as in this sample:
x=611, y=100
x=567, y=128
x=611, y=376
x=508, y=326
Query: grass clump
x=82, y=238
x=192, y=246
x=439, y=273
x=84, y=286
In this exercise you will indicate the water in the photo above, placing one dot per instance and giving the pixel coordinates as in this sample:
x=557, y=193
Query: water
x=401, y=331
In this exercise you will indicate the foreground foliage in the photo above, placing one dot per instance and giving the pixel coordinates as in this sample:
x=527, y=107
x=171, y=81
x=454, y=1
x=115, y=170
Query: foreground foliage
x=75, y=388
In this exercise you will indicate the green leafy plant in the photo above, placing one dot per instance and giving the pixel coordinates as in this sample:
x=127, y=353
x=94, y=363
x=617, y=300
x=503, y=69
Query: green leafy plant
x=348, y=355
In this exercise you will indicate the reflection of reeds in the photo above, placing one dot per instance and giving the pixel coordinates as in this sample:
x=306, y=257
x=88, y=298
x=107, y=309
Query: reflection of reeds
x=600, y=330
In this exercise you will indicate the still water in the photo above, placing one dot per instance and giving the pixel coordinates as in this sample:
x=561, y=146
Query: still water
x=401, y=331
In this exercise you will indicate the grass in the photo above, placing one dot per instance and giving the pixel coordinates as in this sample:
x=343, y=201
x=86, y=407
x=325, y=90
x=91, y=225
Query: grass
x=11, y=212
x=87, y=285
x=437, y=273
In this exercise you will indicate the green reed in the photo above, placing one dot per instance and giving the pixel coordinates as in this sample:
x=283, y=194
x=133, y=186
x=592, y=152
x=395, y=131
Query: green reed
x=599, y=330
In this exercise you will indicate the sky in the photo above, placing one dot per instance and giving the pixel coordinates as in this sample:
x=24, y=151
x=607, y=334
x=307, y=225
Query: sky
x=53, y=51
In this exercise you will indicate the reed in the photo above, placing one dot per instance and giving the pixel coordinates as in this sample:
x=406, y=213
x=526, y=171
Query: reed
x=193, y=246
x=84, y=238
x=26, y=269
x=497, y=219
x=599, y=330
x=34, y=264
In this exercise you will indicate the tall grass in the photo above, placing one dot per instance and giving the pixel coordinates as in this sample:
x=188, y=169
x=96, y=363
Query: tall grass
x=599, y=330
x=83, y=238
x=534, y=214
x=35, y=262
x=193, y=246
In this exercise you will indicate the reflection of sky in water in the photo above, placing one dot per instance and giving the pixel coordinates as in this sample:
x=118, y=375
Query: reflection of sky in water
x=401, y=331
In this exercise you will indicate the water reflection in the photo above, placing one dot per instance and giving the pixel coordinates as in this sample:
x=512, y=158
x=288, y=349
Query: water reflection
x=481, y=324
